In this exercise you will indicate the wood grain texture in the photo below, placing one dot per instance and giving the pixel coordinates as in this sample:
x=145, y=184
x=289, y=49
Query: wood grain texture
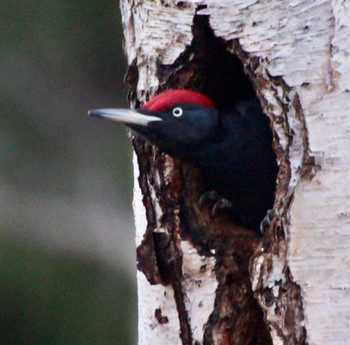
x=307, y=44
x=297, y=53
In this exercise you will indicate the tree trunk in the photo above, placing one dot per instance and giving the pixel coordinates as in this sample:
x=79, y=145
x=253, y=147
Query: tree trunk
x=206, y=281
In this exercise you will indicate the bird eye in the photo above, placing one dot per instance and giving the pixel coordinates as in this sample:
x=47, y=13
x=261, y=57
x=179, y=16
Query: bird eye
x=177, y=112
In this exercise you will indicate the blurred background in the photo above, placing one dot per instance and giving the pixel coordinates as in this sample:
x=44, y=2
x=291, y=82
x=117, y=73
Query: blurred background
x=67, y=250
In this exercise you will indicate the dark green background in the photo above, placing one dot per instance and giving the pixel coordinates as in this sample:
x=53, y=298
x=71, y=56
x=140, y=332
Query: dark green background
x=67, y=237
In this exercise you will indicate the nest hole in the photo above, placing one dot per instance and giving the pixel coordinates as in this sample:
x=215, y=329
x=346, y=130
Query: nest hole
x=208, y=66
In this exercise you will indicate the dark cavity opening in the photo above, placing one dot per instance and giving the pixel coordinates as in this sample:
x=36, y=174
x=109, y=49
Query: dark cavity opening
x=214, y=67
x=207, y=66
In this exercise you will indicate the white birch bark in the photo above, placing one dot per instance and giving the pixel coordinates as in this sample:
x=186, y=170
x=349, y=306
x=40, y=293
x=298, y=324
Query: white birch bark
x=306, y=44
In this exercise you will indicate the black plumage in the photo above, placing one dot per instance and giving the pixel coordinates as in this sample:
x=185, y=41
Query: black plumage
x=232, y=147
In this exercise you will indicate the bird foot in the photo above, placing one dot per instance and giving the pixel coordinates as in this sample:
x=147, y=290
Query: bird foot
x=266, y=220
x=220, y=204
x=208, y=196
x=219, y=201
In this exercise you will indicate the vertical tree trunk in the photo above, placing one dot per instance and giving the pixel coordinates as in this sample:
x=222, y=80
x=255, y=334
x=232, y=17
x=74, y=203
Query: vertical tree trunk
x=204, y=280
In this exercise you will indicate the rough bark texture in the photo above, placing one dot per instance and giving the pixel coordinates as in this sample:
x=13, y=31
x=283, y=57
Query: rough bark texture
x=207, y=281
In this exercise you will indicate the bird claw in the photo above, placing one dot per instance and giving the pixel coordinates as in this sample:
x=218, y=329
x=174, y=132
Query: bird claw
x=266, y=220
x=208, y=196
x=220, y=204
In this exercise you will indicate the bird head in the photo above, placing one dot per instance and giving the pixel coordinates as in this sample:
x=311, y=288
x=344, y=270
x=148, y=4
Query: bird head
x=175, y=120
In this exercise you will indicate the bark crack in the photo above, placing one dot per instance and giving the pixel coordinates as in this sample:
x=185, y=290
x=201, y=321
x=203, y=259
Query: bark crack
x=213, y=66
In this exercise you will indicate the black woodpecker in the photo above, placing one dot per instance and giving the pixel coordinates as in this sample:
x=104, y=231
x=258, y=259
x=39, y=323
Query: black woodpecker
x=233, y=147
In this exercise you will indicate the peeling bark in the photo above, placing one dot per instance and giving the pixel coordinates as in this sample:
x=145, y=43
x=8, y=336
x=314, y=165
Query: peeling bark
x=208, y=281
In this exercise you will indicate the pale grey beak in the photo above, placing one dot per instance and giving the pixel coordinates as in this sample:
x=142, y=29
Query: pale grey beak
x=126, y=116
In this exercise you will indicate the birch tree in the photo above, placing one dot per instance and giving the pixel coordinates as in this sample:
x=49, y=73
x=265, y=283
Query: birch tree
x=206, y=281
